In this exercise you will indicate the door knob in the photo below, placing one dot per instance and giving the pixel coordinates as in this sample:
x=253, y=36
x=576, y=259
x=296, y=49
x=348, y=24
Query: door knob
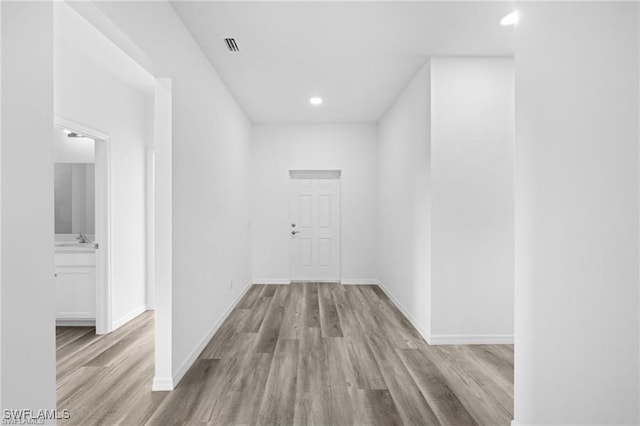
x=294, y=232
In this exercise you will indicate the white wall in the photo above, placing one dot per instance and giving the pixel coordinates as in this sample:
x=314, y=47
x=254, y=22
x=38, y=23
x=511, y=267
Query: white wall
x=72, y=150
x=210, y=177
x=28, y=314
x=472, y=119
x=445, y=200
x=577, y=350
x=276, y=149
x=404, y=151
x=88, y=94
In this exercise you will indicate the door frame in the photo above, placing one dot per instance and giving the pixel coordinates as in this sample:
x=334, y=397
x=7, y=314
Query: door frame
x=318, y=174
x=103, y=218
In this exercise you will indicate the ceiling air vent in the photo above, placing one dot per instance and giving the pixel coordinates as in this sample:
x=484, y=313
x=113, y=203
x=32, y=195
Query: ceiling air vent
x=232, y=46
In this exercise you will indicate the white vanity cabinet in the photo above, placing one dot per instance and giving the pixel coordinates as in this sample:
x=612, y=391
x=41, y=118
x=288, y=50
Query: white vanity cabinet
x=75, y=287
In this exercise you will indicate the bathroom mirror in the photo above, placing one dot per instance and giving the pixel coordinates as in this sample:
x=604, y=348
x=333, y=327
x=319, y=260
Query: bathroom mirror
x=74, y=198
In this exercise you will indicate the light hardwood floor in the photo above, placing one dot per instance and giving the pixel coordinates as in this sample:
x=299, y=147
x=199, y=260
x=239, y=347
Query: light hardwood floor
x=316, y=354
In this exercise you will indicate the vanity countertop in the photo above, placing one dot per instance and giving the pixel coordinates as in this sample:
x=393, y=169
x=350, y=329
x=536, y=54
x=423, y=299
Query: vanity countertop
x=71, y=247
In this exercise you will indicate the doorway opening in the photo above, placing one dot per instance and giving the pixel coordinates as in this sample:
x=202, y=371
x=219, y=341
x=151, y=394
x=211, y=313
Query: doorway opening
x=82, y=226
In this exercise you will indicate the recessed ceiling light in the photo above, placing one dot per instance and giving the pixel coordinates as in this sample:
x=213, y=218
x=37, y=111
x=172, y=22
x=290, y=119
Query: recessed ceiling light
x=315, y=100
x=67, y=131
x=510, y=19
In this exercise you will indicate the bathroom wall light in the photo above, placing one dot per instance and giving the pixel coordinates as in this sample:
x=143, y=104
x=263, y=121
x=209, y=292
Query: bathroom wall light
x=79, y=136
x=510, y=19
x=315, y=100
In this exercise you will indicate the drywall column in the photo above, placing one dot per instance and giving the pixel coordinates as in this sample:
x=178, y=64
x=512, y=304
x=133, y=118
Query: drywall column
x=577, y=258
x=472, y=117
x=163, y=379
x=28, y=314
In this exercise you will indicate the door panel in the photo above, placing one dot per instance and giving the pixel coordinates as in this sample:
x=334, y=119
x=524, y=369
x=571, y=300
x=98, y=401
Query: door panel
x=315, y=229
x=306, y=250
x=325, y=211
x=305, y=211
x=325, y=252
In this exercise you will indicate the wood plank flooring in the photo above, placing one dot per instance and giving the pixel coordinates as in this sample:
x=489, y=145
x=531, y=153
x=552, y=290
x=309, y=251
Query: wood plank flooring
x=303, y=354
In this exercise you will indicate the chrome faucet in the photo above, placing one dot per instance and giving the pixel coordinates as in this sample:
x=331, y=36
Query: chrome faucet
x=83, y=239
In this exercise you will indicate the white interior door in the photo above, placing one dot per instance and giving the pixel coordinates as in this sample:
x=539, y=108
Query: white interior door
x=315, y=229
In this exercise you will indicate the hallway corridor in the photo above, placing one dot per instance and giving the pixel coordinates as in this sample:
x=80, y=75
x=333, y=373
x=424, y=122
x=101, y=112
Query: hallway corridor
x=322, y=354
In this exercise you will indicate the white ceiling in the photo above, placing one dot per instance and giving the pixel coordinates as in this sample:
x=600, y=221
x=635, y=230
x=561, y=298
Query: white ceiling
x=357, y=56
x=73, y=30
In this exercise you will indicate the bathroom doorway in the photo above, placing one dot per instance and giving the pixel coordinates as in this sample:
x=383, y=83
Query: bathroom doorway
x=82, y=226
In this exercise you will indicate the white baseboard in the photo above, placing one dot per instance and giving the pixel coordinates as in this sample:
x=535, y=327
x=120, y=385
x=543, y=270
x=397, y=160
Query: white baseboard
x=359, y=281
x=128, y=317
x=471, y=339
x=406, y=313
x=75, y=322
x=182, y=370
x=345, y=281
x=271, y=281
x=162, y=384
x=450, y=339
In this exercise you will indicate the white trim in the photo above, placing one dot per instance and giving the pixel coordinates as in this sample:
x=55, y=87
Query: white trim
x=271, y=281
x=84, y=316
x=425, y=335
x=104, y=321
x=128, y=317
x=65, y=123
x=150, y=226
x=75, y=322
x=450, y=339
x=315, y=174
x=359, y=281
x=162, y=234
x=162, y=384
x=471, y=339
x=182, y=370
